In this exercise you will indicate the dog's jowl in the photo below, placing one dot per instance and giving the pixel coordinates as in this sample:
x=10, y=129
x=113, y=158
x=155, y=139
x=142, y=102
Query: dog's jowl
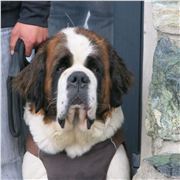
x=73, y=90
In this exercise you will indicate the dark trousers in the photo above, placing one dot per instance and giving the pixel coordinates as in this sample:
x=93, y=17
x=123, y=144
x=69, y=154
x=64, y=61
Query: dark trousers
x=96, y=16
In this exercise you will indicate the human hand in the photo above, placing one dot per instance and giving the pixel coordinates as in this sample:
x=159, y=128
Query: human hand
x=31, y=35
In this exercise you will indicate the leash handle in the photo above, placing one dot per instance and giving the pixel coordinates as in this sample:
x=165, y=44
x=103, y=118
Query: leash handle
x=15, y=102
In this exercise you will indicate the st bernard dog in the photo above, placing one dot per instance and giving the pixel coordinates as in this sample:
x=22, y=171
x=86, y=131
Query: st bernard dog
x=74, y=88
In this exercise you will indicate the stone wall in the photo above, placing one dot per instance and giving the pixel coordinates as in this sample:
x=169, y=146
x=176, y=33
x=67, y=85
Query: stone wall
x=162, y=118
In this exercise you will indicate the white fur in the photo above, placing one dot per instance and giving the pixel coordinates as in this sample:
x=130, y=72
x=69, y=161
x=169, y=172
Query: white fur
x=62, y=99
x=30, y=166
x=52, y=138
x=79, y=45
x=119, y=166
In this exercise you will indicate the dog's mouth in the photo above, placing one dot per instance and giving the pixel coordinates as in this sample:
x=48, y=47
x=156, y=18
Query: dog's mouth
x=77, y=113
x=77, y=101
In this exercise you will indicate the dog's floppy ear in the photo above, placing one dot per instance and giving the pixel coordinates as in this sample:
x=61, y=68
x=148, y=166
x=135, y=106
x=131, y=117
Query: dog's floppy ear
x=29, y=83
x=121, y=78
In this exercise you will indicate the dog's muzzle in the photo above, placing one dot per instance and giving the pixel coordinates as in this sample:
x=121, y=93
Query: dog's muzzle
x=77, y=87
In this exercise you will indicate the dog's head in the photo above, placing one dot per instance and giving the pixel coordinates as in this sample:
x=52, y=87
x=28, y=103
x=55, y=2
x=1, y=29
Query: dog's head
x=75, y=75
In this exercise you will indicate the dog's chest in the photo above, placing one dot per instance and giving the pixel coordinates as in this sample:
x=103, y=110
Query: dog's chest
x=92, y=165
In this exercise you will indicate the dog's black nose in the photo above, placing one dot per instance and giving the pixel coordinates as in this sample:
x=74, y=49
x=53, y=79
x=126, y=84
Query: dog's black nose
x=78, y=79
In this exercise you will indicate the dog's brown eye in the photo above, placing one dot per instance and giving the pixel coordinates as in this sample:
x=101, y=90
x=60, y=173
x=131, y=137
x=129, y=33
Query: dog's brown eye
x=93, y=63
x=95, y=69
x=61, y=69
x=63, y=64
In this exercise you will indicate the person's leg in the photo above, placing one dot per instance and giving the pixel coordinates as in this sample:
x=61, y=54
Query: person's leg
x=66, y=14
x=95, y=15
x=10, y=157
x=101, y=18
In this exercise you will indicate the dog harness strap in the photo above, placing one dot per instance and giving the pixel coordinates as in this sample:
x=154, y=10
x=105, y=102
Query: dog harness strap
x=92, y=165
x=31, y=146
x=118, y=138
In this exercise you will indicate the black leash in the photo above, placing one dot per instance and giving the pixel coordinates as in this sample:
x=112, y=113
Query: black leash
x=15, y=102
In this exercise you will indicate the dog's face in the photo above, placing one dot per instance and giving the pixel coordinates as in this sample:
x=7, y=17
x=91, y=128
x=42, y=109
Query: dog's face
x=75, y=77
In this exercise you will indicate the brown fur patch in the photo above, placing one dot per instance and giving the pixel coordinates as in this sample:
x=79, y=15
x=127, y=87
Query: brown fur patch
x=102, y=45
x=56, y=49
x=46, y=119
x=24, y=80
x=33, y=111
